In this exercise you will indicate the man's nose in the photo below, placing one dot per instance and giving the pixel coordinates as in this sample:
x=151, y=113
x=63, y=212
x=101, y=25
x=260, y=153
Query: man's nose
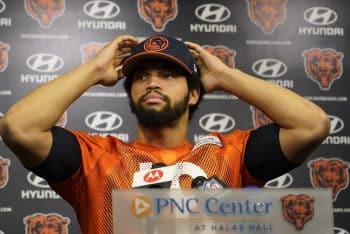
x=153, y=82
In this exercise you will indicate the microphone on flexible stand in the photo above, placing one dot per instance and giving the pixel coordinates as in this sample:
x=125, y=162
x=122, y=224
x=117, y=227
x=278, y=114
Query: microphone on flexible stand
x=159, y=176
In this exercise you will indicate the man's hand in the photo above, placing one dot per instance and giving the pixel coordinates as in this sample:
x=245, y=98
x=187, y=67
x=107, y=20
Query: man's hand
x=109, y=59
x=212, y=69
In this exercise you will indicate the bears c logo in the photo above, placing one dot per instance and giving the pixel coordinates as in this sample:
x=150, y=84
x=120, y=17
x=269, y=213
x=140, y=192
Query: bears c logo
x=156, y=43
x=329, y=173
x=4, y=48
x=44, y=11
x=4, y=175
x=90, y=50
x=259, y=118
x=46, y=223
x=298, y=209
x=267, y=14
x=225, y=54
x=157, y=12
x=323, y=66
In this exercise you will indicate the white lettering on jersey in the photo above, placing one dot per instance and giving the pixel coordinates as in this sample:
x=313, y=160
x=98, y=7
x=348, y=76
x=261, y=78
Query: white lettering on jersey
x=214, y=140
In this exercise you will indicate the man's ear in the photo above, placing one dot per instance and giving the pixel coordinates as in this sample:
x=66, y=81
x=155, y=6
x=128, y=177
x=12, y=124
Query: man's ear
x=194, y=96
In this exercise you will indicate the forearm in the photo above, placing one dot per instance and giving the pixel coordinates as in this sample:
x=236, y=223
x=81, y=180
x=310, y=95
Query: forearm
x=303, y=125
x=41, y=108
x=284, y=107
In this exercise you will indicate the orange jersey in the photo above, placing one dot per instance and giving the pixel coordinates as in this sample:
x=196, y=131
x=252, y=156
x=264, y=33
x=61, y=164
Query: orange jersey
x=108, y=163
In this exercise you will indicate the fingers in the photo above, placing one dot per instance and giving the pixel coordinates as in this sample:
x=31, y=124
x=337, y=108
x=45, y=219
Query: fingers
x=122, y=46
x=125, y=41
x=194, y=47
x=198, y=51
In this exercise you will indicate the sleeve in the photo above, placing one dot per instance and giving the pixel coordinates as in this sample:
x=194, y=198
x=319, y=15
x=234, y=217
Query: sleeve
x=64, y=158
x=263, y=157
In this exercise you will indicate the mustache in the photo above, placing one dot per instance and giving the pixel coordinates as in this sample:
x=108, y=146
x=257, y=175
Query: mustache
x=143, y=97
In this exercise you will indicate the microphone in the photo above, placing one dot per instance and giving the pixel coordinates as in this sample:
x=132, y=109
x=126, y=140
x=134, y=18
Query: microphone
x=212, y=183
x=160, y=176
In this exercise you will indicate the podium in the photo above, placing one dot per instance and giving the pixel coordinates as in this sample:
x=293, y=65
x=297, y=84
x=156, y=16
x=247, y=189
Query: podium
x=238, y=211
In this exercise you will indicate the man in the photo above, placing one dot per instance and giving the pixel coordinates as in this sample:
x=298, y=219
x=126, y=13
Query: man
x=164, y=86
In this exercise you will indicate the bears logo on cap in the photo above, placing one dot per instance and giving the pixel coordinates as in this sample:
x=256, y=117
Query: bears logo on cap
x=156, y=43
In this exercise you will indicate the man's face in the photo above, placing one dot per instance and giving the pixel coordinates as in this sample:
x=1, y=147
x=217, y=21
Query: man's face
x=159, y=94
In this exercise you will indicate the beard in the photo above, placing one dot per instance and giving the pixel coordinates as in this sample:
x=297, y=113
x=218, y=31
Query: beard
x=151, y=118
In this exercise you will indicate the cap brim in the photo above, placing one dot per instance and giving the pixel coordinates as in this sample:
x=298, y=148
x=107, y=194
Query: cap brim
x=132, y=61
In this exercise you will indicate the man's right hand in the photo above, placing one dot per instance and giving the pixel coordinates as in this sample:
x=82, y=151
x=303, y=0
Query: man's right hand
x=109, y=59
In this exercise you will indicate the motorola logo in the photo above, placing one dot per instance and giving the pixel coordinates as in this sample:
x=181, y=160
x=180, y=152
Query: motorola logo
x=101, y=9
x=153, y=176
x=338, y=230
x=283, y=181
x=217, y=122
x=212, y=13
x=320, y=16
x=44, y=62
x=2, y=6
x=103, y=121
x=37, y=181
x=337, y=124
x=269, y=68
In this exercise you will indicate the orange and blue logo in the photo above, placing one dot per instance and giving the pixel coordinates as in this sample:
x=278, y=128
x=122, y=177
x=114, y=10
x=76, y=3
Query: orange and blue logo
x=157, y=13
x=267, y=14
x=141, y=206
x=298, y=209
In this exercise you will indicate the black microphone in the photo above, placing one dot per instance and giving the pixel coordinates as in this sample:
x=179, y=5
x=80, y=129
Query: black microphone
x=212, y=183
x=158, y=165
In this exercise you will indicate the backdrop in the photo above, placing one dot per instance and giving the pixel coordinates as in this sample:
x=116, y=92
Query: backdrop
x=297, y=44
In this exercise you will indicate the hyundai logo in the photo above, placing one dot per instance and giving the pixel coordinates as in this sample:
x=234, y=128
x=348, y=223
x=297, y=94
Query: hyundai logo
x=283, y=181
x=37, y=181
x=44, y=62
x=338, y=230
x=337, y=124
x=2, y=6
x=101, y=9
x=212, y=13
x=217, y=122
x=103, y=121
x=320, y=16
x=269, y=68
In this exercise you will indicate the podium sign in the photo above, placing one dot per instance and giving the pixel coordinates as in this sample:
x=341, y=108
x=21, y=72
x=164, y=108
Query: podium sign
x=239, y=211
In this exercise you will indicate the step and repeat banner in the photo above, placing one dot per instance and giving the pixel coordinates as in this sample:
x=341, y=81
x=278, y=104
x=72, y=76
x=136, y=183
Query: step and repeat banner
x=300, y=45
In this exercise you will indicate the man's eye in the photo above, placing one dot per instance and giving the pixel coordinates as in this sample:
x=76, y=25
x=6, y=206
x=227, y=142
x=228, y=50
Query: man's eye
x=167, y=75
x=140, y=77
